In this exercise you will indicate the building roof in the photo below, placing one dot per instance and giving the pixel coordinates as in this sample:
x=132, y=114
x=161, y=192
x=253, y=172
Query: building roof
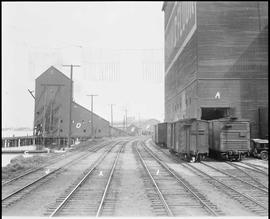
x=89, y=111
x=54, y=69
x=164, y=6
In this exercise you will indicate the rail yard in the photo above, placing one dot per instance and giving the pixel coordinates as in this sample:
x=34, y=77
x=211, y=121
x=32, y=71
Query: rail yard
x=201, y=150
x=119, y=176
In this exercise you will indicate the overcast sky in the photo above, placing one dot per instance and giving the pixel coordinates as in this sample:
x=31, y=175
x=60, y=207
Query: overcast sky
x=119, y=46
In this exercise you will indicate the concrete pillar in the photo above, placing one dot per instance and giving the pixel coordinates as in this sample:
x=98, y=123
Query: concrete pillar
x=5, y=143
x=19, y=142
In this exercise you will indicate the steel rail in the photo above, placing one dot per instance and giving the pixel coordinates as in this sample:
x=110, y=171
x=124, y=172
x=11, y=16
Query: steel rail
x=255, y=167
x=226, y=186
x=108, y=182
x=82, y=181
x=209, y=209
x=40, y=168
x=43, y=177
x=234, y=177
x=32, y=183
x=203, y=173
x=156, y=186
x=238, y=167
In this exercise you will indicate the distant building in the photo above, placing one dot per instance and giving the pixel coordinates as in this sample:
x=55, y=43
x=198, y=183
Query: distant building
x=52, y=104
x=216, y=60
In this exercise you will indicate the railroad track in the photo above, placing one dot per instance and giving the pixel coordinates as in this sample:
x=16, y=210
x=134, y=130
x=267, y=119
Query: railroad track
x=257, y=177
x=87, y=196
x=252, y=198
x=177, y=196
x=258, y=168
x=50, y=162
x=237, y=174
x=17, y=189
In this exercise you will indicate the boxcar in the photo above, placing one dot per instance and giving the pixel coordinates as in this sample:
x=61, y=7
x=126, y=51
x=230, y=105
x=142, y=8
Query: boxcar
x=229, y=138
x=189, y=139
x=160, y=134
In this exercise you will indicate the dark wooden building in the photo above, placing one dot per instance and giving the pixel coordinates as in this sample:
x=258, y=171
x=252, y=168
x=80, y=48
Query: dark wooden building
x=52, y=104
x=216, y=60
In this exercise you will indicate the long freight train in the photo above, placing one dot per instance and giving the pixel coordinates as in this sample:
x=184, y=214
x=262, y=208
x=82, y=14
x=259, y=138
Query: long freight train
x=193, y=139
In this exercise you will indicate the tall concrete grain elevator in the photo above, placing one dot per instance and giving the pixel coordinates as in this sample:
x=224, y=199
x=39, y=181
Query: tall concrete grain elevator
x=216, y=60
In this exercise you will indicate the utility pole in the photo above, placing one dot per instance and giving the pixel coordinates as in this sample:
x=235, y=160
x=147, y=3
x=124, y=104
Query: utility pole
x=71, y=99
x=112, y=114
x=111, y=119
x=92, y=125
x=126, y=119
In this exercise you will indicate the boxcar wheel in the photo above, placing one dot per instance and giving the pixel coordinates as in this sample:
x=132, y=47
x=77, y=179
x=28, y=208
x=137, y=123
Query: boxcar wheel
x=264, y=155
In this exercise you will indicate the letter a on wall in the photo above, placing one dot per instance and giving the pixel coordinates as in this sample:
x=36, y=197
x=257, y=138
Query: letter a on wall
x=217, y=95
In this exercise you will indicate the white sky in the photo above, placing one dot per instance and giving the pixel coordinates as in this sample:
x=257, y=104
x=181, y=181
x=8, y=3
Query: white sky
x=119, y=46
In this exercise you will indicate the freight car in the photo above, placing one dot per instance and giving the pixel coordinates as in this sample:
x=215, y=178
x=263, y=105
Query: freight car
x=229, y=138
x=188, y=138
x=160, y=134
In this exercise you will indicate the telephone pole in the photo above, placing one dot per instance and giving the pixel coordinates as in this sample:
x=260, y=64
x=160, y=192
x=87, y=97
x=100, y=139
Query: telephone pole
x=126, y=119
x=112, y=114
x=111, y=119
x=92, y=125
x=71, y=99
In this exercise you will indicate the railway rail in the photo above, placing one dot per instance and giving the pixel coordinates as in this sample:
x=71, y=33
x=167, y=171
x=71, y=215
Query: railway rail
x=51, y=161
x=237, y=174
x=15, y=192
x=93, y=186
x=258, y=168
x=176, y=195
x=254, y=199
x=257, y=177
